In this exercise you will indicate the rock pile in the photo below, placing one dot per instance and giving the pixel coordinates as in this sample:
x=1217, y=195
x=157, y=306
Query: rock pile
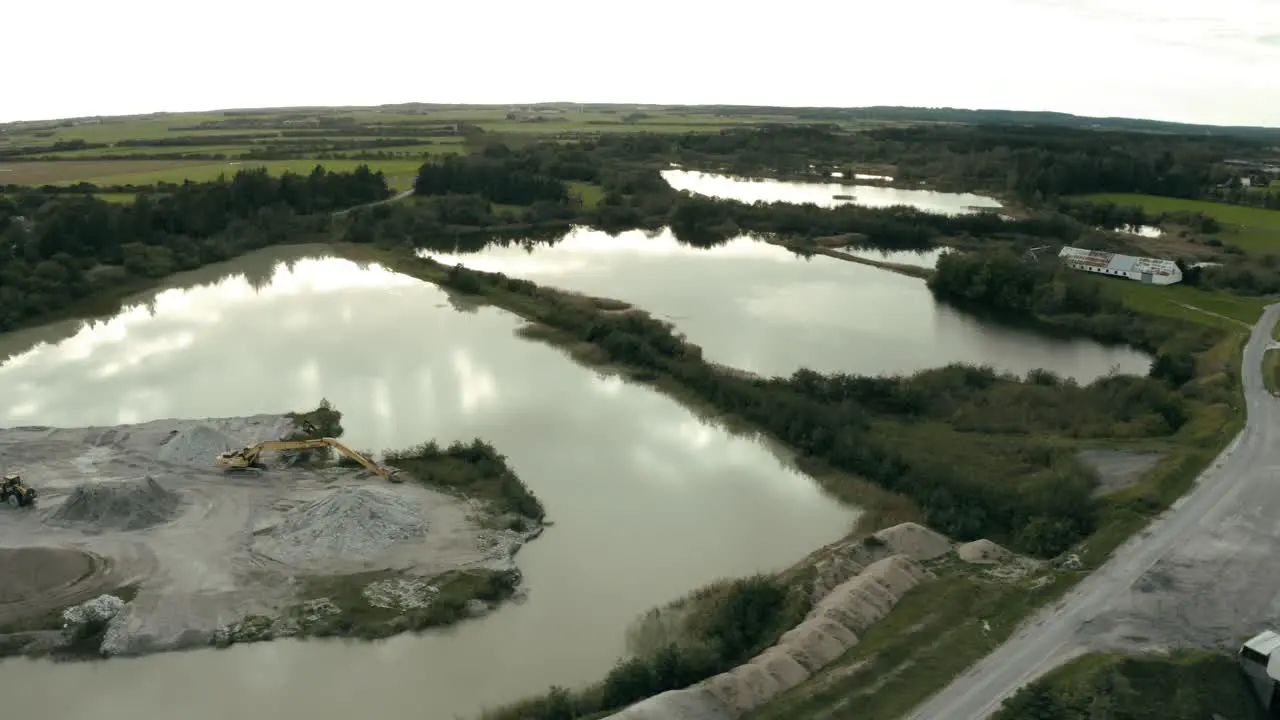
x=128, y=505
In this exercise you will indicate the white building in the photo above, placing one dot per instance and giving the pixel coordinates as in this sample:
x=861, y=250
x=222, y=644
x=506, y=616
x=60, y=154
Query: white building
x=1142, y=269
x=1261, y=664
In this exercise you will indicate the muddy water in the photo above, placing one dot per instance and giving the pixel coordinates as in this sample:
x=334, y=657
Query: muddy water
x=648, y=500
x=824, y=194
x=759, y=307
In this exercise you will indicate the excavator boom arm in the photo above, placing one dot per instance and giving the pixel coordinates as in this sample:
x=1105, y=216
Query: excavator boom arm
x=248, y=457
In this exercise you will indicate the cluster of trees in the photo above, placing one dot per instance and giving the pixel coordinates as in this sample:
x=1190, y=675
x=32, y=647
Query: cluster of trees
x=1013, y=286
x=733, y=623
x=1237, y=195
x=1033, y=162
x=507, y=181
x=57, y=250
x=1113, y=216
x=475, y=469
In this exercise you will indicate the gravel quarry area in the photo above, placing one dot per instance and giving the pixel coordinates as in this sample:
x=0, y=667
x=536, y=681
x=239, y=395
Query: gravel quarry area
x=141, y=511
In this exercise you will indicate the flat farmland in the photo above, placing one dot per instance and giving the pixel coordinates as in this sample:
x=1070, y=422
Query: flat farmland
x=1255, y=230
x=400, y=172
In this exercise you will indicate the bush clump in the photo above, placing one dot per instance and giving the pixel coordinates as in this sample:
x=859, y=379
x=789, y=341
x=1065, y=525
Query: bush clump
x=472, y=469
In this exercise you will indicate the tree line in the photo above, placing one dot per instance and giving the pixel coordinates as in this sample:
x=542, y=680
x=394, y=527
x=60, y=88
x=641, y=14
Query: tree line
x=58, y=250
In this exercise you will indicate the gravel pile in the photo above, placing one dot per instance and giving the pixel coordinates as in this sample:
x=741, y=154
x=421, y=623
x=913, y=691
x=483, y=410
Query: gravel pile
x=350, y=523
x=129, y=505
x=197, y=446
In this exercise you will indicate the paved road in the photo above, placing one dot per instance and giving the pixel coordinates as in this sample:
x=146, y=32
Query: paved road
x=1235, y=499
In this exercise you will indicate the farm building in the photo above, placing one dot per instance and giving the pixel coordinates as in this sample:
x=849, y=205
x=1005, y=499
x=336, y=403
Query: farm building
x=1260, y=660
x=1142, y=269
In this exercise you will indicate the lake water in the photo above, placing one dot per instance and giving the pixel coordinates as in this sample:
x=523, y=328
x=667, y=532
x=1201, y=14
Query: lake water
x=649, y=501
x=924, y=259
x=752, y=190
x=759, y=307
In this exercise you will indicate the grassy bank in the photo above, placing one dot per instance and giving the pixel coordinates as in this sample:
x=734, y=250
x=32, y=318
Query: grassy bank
x=1182, y=686
x=377, y=604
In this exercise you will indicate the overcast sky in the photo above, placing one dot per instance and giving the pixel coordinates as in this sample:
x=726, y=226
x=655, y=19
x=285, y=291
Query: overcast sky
x=1207, y=61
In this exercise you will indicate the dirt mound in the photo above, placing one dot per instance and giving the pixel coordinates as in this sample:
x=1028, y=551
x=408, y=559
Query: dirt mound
x=983, y=552
x=831, y=628
x=129, y=505
x=27, y=573
x=350, y=523
x=197, y=446
x=915, y=541
x=695, y=703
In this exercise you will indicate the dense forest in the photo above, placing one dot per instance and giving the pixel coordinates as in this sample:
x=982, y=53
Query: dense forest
x=1034, y=163
x=55, y=251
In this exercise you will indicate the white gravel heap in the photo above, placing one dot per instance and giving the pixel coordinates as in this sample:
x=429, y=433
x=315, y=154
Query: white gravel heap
x=128, y=505
x=197, y=446
x=99, y=609
x=349, y=523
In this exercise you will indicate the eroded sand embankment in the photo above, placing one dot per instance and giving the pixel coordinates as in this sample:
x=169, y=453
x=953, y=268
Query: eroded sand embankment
x=857, y=584
x=143, y=507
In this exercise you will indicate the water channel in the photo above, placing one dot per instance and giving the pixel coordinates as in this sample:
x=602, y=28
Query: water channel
x=760, y=307
x=752, y=190
x=649, y=500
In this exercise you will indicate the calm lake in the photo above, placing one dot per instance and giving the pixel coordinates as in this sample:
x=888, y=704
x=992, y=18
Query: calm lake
x=752, y=190
x=760, y=307
x=649, y=501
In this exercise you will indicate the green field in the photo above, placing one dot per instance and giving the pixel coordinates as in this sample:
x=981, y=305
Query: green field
x=442, y=130
x=1255, y=230
x=400, y=172
x=1188, y=303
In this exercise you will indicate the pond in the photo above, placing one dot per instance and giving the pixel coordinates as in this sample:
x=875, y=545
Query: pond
x=649, y=500
x=759, y=307
x=752, y=190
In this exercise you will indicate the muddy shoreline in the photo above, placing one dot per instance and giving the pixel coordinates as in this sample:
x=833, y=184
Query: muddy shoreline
x=200, y=558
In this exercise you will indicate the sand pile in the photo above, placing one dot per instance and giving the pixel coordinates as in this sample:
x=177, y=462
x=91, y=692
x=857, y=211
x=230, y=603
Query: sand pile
x=350, y=523
x=830, y=629
x=915, y=541
x=128, y=505
x=198, y=446
x=983, y=552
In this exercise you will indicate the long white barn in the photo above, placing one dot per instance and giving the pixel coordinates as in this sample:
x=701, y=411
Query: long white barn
x=1142, y=269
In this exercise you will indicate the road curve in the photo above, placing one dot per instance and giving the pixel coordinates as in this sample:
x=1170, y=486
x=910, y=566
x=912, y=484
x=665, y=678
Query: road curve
x=1055, y=634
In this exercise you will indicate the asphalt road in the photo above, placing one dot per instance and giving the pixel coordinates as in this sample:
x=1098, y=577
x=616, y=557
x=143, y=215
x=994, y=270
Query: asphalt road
x=1201, y=574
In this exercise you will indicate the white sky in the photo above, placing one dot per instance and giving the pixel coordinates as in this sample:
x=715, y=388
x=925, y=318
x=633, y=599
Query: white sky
x=1209, y=61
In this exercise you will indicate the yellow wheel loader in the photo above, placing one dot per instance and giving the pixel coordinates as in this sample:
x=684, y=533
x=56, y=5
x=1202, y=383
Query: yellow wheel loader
x=15, y=492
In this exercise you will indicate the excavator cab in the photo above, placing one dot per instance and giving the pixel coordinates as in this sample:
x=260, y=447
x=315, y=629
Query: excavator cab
x=15, y=492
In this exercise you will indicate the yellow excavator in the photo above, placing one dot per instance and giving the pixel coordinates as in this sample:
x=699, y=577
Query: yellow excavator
x=249, y=458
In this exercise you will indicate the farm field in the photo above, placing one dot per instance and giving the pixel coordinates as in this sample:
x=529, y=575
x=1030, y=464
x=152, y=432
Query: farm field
x=344, y=134
x=400, y=172
x=1255, y=230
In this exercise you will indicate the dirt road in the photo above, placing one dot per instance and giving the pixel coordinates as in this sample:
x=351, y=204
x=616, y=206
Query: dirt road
x=1202, y=574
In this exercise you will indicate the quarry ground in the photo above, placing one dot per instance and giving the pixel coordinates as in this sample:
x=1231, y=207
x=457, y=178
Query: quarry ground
x=142, y=506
